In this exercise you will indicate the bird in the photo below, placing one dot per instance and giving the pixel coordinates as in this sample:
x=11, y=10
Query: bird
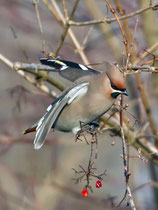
x=89, y=97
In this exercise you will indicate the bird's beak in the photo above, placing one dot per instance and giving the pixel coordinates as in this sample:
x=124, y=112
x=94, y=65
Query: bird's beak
x=125, y=93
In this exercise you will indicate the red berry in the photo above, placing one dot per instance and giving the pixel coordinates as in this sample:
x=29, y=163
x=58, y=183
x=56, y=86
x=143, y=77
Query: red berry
x=98, y=184
x=84, y=192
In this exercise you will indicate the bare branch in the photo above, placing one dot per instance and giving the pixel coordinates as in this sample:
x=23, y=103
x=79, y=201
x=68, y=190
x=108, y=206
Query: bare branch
x=30, y=79
x=110, y=20
x=35, y=3
x=65, y=30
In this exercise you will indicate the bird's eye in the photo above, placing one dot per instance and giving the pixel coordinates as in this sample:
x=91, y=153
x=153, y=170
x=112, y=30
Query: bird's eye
x=113, y=86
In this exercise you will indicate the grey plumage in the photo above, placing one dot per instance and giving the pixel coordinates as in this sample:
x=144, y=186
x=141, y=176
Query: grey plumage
x=47, y=121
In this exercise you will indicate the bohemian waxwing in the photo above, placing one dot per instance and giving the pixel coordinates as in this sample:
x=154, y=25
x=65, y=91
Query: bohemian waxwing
x=84, y=101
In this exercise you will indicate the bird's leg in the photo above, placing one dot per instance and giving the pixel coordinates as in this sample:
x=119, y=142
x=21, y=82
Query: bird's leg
x=80, y=133
x=91, y=128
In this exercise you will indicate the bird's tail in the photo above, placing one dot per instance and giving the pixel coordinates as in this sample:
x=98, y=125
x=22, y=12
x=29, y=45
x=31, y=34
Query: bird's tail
x=29, y=130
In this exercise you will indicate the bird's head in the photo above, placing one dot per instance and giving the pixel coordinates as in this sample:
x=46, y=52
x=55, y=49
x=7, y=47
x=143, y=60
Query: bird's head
x=117, y=81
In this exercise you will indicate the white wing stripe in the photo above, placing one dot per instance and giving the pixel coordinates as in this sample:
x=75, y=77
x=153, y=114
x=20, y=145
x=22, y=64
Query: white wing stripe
x=83, y=67
x=49, y=107
x=63, y=68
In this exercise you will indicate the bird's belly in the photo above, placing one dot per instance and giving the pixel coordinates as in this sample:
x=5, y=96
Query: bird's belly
x=74, y=118
x=67, y=122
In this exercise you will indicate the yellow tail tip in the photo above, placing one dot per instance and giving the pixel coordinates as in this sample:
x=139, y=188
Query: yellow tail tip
x=23, y=133
x=29, y=130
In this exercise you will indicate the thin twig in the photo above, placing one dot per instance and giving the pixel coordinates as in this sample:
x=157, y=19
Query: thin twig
x=65, y=30
x=50, y=8
x=143, y=55
x=121, y=29
x=146, y=104
x=20, y=45
x=71, y=34
x=83, y=45
x=133, y=37
x=150, y=182
x=125, y=159
x=110, y=20
x=35, y=3
x=121, y=11
x=65, y=10
x=144, y=68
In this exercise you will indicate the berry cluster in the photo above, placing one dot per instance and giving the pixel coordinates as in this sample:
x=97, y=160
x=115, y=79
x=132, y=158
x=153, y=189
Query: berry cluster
x=85, y=191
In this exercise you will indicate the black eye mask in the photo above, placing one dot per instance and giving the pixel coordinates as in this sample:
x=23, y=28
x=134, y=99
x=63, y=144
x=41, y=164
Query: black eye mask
x=115, y=88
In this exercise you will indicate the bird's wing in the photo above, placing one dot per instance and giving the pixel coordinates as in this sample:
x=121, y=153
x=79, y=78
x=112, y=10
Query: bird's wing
x=53, y=111
x=68, y=69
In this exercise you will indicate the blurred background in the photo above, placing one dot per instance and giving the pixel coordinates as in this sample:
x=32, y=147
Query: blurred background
x=44, y=179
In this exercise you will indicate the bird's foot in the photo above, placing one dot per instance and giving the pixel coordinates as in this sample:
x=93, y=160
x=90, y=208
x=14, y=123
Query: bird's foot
x=90, y=128
x=79, y=134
